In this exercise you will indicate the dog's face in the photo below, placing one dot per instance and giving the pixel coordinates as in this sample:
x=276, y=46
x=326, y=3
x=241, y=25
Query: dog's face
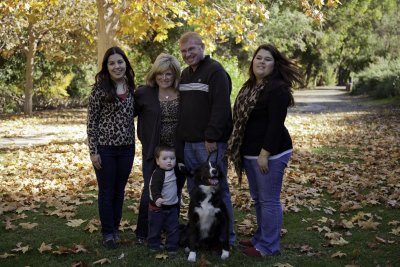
x=207, y=174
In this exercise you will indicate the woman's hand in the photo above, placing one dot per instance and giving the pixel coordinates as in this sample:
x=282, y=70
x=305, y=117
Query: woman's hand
x=96, y=161
x=262, y=161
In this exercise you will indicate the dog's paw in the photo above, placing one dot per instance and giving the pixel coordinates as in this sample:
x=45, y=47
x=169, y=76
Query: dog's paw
x=192, y=256
x=187, y=250
x=225, y=254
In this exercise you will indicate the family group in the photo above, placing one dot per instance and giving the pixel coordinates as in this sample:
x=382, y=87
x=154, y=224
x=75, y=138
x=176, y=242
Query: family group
x=184, y=118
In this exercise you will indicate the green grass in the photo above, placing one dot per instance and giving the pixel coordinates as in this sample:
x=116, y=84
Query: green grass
x=384, y=101
x=299, y=225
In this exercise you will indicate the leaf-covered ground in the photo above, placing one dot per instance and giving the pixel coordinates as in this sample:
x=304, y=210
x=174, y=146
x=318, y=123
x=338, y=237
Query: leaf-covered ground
x=341, y=195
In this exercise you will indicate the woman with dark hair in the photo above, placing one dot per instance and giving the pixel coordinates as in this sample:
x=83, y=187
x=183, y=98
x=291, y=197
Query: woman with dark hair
x=260, y=143
x=157, y=108
x=111, y=137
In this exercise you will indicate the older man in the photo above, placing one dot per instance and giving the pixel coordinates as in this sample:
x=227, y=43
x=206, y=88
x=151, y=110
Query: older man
x=205, y=121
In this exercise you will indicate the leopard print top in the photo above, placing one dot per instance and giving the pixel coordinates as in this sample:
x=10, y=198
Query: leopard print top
x=169, y=121
x=109, y=123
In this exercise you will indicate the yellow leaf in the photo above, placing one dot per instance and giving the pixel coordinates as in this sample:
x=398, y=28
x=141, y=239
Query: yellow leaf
x=44, y=247
x=338, y=242
x=338, y=254
x=79, y=248
x=20, y=248
x=28, y=225
x=75, y=223
x=369, y=224
x=161, y=256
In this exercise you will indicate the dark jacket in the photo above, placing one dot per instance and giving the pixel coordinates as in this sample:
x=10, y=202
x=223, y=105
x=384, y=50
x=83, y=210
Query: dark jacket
x=265, y=127
x=205, y=108
x=163, y=184
x=147, y=108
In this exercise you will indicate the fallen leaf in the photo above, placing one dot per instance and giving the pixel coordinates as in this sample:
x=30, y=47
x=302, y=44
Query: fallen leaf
x=62, y=250
x=28, y=225
x=6, y=255
x=161, y=256
x=395, y=231
x=79, y=248
x=102, y=261
x=75, y=223
x=43, y=247
x=370, y=224
x=21, y=248
x=338, y=242
x=338, y=254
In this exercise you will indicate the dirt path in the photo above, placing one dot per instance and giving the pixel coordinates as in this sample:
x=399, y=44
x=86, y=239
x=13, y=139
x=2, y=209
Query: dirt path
x=46, y=127
x=326, y=99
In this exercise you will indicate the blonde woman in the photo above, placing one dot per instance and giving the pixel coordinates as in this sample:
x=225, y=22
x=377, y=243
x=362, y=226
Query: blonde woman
x=157, y=107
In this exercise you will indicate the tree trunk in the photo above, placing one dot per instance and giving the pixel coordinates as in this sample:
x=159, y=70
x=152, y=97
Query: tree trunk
x=30, y=56
x=308, y=74
x=106, y=28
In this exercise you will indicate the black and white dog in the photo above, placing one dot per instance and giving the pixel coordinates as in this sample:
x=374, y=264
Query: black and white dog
x=208, y=217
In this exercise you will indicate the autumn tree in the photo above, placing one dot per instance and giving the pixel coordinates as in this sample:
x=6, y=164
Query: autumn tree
x=48, y=26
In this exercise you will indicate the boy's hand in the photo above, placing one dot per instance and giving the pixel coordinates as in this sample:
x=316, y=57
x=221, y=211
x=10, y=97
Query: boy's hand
x=159, y=202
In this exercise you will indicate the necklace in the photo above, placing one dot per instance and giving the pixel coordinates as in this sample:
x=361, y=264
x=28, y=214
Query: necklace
x=166, y=95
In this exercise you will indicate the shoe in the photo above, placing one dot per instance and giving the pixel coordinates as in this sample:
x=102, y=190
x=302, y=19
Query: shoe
x=109, y=244
x=252, y=252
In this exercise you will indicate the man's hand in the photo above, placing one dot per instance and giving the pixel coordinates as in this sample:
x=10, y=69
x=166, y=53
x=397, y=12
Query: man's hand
x=96, y=161
x=211, y=147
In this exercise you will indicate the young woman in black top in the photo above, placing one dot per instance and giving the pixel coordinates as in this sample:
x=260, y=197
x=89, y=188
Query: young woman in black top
x=260, y=143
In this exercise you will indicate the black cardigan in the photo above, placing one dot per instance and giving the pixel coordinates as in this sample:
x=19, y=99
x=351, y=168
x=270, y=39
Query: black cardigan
x=265, y=127
x=147, y=108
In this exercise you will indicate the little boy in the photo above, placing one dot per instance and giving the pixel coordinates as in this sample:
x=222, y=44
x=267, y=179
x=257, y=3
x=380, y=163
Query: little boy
x=163, y=205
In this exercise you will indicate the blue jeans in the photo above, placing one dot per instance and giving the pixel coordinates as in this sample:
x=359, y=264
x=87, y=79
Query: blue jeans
x=265, y=190
x=195, y=154
x=164, y=219
x=116, y=165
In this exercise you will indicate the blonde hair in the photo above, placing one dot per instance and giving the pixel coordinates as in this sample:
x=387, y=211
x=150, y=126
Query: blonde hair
x=163, y=63
x=191, y=35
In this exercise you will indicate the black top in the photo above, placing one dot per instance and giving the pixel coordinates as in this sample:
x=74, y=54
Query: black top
x=147, y=107
x=205, y=108
x=265, y=127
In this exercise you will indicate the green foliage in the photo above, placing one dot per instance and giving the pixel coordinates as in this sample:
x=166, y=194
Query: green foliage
x=237, y=73
x=380, y=80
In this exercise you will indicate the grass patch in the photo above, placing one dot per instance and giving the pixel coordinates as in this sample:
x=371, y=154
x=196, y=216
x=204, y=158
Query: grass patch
x=384, y=101
x=302, y=245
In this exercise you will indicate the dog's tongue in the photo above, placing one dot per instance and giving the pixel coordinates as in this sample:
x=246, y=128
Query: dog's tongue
x=213, y=181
